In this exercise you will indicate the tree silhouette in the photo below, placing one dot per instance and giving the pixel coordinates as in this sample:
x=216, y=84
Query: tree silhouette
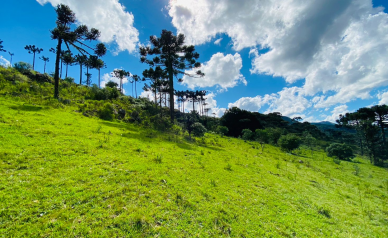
x=45, y=59
x=2, y=47
x=173, y=57
x=11, y=54
x=68, y=59
x=32, y=49
x=81, y=61
x=98, y=64
x=156, y=76
x=120, y=74
x=136, y=79
x=75, y=38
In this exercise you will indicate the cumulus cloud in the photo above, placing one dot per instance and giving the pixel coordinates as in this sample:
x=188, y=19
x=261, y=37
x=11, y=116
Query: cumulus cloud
x=383, y=98
x=221, y=70
x=342, y=109
x=109, y=77
x=109, y=16
x=289, y=102
x=4, y=61
x=338, y=47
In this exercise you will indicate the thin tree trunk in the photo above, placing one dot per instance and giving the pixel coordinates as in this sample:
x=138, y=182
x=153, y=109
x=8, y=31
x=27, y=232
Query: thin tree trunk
x=33, y=62
x=56, y=74
x=67, y=67
x=61, y=68
x=135, y=89
x=382, y=129
x=80, y=74
x=44, y=70
x=99, y=78
x=171, y=84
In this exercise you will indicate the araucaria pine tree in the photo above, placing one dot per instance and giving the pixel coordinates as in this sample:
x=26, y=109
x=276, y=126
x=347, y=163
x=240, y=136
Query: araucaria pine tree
x=32, y=49
x=171, y=54
x=45, y=59
x=75, y=38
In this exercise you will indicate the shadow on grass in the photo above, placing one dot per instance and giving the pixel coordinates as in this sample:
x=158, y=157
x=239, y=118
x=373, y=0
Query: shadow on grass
x=27, y=108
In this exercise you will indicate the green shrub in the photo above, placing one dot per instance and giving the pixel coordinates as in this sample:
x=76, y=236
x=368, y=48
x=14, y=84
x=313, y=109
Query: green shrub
x=69, y=79
x=106, y=112
x=247, y=134
x=23, y=67
x=289, y=142
x=198, y=129
x=341, y=151
x=222, y=130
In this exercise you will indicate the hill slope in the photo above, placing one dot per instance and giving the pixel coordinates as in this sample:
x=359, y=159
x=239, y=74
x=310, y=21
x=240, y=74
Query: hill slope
x=63, y=174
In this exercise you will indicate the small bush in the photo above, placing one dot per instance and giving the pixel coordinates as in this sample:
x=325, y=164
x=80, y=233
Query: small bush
x=222, y=130
x=106, y=113
x=198, y=129
x=247, y=134
x=289, y=142
x=341, y=151
x=69, y=80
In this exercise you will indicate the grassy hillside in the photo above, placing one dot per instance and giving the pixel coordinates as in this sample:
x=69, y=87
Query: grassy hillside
x=66, y=175
x=63, y=174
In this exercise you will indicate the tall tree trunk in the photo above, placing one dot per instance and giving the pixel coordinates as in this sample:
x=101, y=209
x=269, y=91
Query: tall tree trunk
x=61, y=68
x=11, y=60
x=99, y=78
x=80, y=74
x=56, y=74
x=44, y=70
x=67, y=67
x=87, y=76
x=33, y=62
x=382, y=129
x=156, y=104
x=171, y=89
x=135, y=89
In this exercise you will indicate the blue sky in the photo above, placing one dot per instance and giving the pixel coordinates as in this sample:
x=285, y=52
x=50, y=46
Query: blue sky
x=314, y=60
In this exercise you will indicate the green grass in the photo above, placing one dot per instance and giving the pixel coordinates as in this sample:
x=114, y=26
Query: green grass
x=66, y=175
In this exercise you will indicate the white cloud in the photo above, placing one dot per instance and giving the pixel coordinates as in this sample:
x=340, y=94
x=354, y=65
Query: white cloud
x=109, y=77
x=338, y=47
x=383, y=98
x=289, y=102
x=221, y=70
x=342, y=109
x=109, y=16
x=218, y=42
x=4, y=61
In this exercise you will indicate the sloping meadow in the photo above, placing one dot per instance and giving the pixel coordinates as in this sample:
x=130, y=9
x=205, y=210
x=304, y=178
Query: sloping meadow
x=67, y=175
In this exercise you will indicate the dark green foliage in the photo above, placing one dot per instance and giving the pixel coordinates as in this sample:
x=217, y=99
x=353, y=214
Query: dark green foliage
x=23, y=67
x=198, y=129
x=274, y=134
x=69, y=79
x=247, y=134
x=340, y=151
x=2, y=47
x=222, y=130
x=63, y=33
x=106, y=113
x=289, y=142
x=32, y=49
x=262, y=136
x=111, y=84
x=172, y=56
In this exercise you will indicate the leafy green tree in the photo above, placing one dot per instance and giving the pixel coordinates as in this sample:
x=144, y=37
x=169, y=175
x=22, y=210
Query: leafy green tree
x=309, y=141
x=32, y=49
x=274, y=135
x=341, y=151
x=81, y=61
x=136, y=79
x=99, y=64
x=1, y=46
x=262, y=136
x=111, y=84
x=173, y=56
x=223, y=130
x=45, y=60
x=63, y=33
x=289, y=142
x=198, y=129
x=247, y=134
x=23, y=67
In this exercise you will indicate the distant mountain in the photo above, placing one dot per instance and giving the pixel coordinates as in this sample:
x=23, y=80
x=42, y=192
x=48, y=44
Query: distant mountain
x=323, y=123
